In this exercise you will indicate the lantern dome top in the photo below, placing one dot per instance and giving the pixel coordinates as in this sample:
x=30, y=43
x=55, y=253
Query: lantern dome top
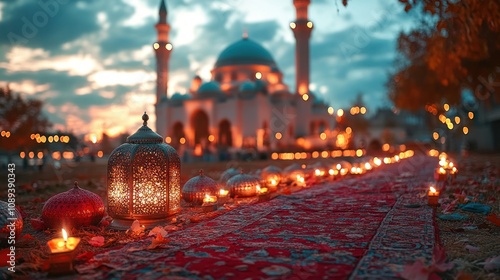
x=145, y=135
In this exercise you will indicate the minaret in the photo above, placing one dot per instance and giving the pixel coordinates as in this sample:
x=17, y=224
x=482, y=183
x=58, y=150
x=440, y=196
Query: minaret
x=162, y=50
x=301, y=28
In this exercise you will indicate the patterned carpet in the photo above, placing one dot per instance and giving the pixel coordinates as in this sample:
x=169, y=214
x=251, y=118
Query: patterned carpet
x=359, y=228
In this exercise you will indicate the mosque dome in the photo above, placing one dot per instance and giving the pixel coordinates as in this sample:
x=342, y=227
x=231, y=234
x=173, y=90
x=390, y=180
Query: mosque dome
x=245, y=52
x=179, y=97
x=247, y=87
x=209, y=89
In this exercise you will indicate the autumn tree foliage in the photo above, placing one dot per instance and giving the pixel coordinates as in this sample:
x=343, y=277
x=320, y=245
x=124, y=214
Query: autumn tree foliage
x=20, y=117
x=456, y=47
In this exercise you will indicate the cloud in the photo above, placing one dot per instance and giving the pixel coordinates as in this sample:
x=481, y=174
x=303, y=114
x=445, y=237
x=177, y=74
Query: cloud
x=47, y=24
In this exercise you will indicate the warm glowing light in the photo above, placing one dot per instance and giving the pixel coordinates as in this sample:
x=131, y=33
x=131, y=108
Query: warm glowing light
x=386, y=147
x=432, y=190
x=211, y=138
x=340, y=112
x=441, y=170
x=278, y=135
x=348, y=130
x=317, y=172
x=65, y=235
x=471, y=115
x=368, y=166
x=22, y=154
x=51, y=138
x=457, y=119
x=353, y=111
x=293, y=25
x=31, y=154
x=362, y=110
x=305, y=96
x=100, y=154
x=32, y=136
x=322, y=136
x=182, y=140
x=465, y=130
x=435, y=135
x=93, y=138
x=315, y=154
x=442, y=118
x=274, y=156
x=324, y=154
x=377, y=161
x=168, y=46
x=450, y=126
x=156, y=46
x=168, y=139
x=446, y=107
x=43, y=139
x=39, y=155
x=258, y=75
x=359, y=153
x=209, y=198
x=56, y=138
x=223, y=193
x=330, y=110
x=309, y=24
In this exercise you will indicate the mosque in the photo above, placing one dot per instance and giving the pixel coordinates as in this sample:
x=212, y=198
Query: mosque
x=245, y=104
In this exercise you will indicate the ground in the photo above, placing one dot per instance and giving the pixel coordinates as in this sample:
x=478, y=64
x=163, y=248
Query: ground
x=345, y=242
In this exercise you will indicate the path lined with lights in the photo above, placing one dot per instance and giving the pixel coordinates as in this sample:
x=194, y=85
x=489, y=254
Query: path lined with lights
x=358, y=227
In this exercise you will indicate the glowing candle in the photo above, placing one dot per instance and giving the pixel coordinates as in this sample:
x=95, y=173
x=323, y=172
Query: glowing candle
x=62, y=253
x=209, y=203
x=433, y=196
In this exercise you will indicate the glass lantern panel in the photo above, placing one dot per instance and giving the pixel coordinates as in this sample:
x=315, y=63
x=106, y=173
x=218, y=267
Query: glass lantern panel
x=174, y=193
x=118, y=190
x=149, y=181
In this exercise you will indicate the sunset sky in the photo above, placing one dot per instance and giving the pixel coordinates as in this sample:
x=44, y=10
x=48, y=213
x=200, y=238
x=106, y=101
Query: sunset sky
x=93, y=65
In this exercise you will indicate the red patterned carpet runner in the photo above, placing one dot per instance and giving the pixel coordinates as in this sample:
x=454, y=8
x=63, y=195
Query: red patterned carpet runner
x=359, y=228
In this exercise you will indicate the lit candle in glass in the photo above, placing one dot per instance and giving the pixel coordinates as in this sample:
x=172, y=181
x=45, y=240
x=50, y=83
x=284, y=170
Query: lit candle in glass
x=440, y=174
x=263, y=193
x=223, y=196
x=209, y=203
x=433, y=196
x=62, y=253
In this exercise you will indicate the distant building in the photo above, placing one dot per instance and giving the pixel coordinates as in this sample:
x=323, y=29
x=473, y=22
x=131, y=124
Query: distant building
x=245, y=104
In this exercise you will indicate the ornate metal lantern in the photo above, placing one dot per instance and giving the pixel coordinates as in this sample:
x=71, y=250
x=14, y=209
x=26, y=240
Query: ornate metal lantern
x=243, y=185
x=143, y=179
x=196, y=188
x=228, y=174
x=271, y=176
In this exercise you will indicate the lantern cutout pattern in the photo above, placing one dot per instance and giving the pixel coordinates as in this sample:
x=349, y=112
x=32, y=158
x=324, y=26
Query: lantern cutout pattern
x=143, y=179
x=195, y=189
x=243, y=185
x=73, y=208
x=7, y=216
x=228, y=174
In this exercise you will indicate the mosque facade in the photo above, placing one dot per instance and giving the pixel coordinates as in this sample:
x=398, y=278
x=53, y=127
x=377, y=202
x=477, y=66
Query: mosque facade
x=245, y=104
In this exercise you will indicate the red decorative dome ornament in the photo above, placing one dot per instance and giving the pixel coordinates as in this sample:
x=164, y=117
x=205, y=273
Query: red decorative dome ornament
x=74, y=208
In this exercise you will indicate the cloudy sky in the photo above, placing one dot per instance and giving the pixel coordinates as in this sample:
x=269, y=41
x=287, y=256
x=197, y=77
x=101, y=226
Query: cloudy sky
x=92, y=61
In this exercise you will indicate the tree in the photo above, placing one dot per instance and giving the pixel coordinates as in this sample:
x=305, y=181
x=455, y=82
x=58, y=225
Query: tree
x=20, y=118
x=456, y=47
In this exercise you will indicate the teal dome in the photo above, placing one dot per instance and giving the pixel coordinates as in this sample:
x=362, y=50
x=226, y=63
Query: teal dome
x=209, y=89
x=179, y=96
x=245, y=52
x=247, y=87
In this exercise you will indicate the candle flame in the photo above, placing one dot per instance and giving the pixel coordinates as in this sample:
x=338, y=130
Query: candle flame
x=65, y=235
x=273, y=182
x=432, y=189
x=317, y=172
x=223, y=192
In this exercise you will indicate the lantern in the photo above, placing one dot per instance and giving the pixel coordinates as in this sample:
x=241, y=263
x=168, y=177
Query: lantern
x=243, y=185
x=196, y=188
x=271, y=176
x=143, y=179
x=74, y=208
x=228, y=174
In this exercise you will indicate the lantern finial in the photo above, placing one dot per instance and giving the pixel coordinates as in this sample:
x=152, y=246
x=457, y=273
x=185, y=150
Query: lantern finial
x=145, y=118
x=76, y=184
x=201, y=172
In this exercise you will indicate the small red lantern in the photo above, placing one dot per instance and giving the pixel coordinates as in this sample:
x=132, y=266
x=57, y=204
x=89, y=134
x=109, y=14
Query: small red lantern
x=74, y=208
